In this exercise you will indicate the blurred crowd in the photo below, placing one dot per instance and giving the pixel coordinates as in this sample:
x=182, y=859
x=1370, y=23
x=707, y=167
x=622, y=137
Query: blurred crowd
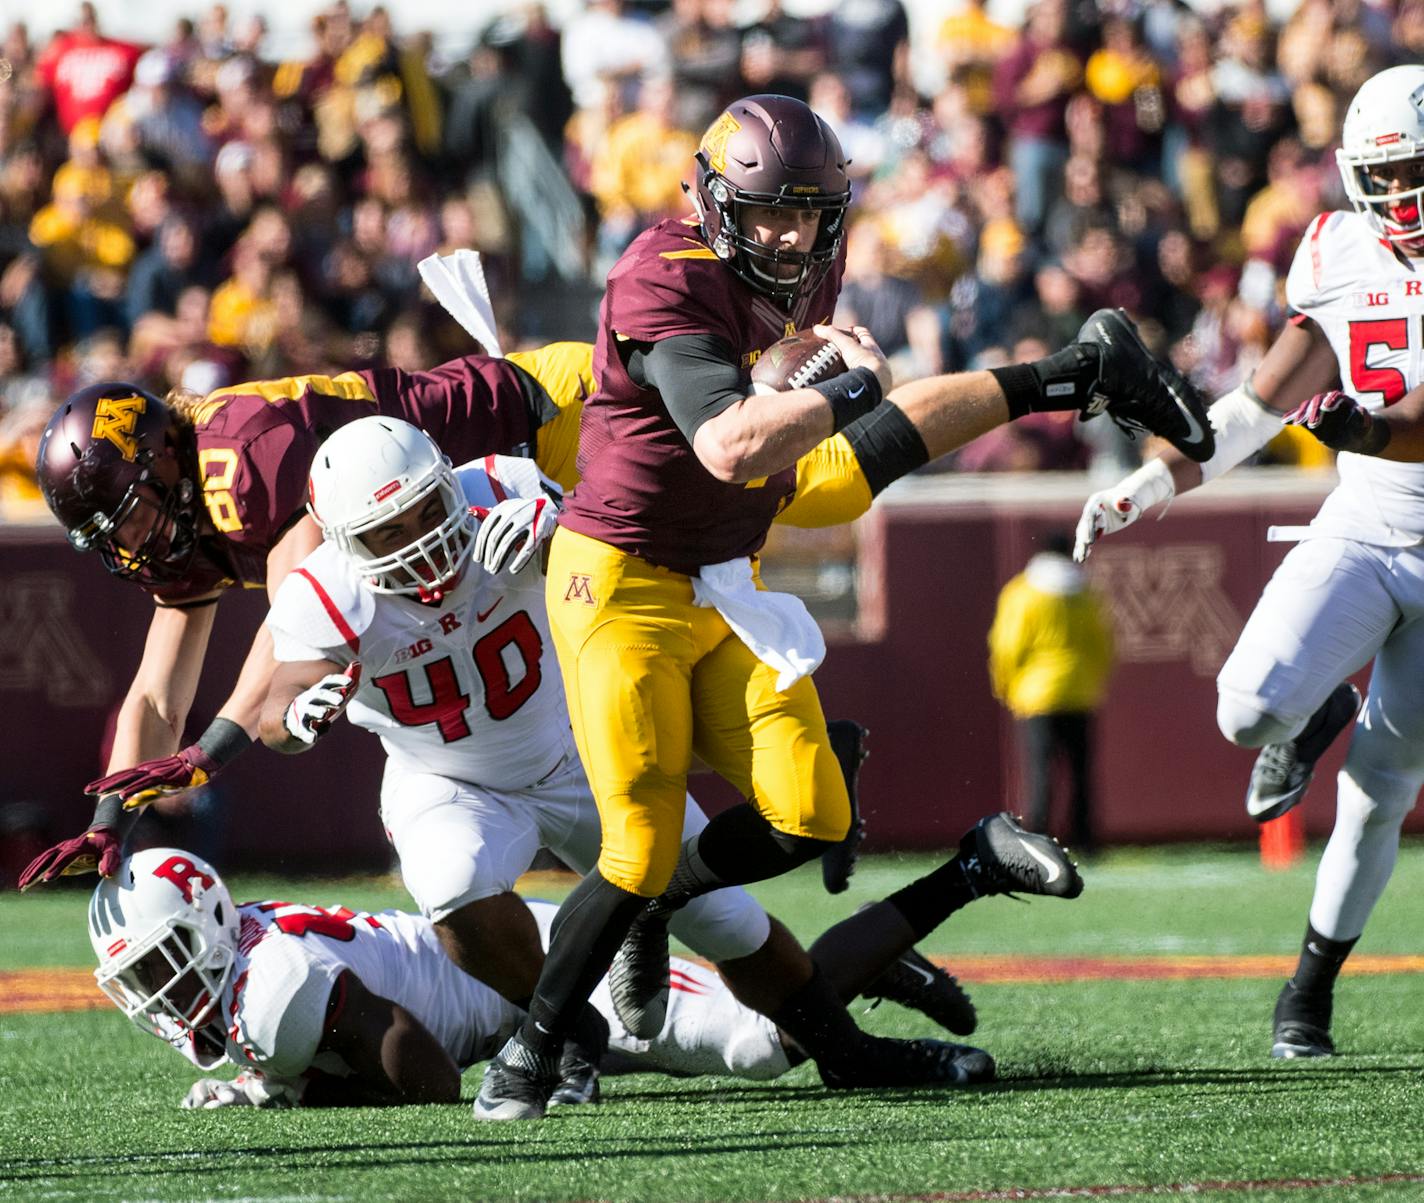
x=198, y=213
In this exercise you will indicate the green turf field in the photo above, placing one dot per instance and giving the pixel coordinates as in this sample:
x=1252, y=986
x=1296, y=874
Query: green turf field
x=1108, y=1088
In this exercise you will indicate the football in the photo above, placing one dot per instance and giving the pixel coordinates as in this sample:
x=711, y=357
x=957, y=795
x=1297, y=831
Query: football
x=797, y=361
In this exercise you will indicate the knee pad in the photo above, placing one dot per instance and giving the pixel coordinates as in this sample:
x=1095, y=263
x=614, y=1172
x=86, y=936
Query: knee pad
x=1248, y=727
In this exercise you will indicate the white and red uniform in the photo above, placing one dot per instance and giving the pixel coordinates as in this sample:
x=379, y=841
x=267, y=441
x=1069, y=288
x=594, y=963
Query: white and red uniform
x=481, y=768
x=1352, y=590
x=275, y=1006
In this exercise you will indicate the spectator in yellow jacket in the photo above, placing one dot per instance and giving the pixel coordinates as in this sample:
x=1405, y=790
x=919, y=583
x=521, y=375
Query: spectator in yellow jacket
x=1050, y=654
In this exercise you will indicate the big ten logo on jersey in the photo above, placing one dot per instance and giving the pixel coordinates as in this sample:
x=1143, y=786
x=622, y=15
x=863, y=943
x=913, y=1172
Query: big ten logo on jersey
x=418, y=648
x=116, y=419
x=183, y=873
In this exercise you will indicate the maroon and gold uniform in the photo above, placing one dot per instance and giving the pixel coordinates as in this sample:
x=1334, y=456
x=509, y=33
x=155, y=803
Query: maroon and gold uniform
x=255, y=443
x=650, y=675
x=643, y=489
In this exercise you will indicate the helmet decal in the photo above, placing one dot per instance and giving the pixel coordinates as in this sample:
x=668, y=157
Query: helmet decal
x=116, y=418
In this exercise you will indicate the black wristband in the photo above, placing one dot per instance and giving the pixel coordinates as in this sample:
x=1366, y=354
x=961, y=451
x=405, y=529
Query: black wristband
x=223, y=741
x=887, y=446
x=109, y=812
x=851, y=395
x=1021, y=388
x=1364, y=434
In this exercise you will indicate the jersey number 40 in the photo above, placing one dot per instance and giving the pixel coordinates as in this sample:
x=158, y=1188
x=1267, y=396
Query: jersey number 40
x=504, y=694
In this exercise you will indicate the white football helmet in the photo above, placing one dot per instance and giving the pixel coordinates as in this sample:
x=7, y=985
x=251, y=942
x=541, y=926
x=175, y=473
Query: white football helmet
x=165, y=931
x=1385, y=125
x=374, y=469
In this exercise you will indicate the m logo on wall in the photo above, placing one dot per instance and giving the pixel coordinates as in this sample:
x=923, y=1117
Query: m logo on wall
x=1168, y=604
x=42, y=648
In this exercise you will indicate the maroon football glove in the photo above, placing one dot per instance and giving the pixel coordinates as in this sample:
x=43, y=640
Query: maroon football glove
x=98, y=848
x=152, y=779
x=1337, y=420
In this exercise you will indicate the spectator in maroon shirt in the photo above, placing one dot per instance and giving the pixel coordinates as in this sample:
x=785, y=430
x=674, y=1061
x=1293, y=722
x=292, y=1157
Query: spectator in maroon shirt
x=1031, y=90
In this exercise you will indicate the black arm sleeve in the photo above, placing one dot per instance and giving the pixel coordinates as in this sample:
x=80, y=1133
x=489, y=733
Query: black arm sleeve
x=696, y=374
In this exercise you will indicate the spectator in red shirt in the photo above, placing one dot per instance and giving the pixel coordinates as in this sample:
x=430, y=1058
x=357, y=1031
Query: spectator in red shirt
x=85, y=71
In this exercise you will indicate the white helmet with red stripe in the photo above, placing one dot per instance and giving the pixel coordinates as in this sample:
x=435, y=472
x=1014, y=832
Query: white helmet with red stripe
x=1384, y=129
x=165, y=931
x=377, y=469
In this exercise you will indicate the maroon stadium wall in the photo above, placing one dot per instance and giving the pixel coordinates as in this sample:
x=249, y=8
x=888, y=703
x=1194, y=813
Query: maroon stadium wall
x=931, y=560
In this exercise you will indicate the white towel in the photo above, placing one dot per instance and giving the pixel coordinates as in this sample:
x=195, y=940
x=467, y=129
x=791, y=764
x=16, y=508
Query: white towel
x=458, y=282
x=777, y=627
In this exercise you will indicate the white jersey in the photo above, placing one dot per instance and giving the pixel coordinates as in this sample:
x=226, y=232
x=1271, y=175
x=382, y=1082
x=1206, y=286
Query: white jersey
x=275, y=1005
x=1370, y=305
x=459, y=688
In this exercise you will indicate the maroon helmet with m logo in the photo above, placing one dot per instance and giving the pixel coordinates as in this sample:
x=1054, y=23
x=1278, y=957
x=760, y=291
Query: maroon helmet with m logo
x=772, y=151
x=111, y=464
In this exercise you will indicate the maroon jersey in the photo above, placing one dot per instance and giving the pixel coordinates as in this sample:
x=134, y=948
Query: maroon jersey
x=255, y=444
x=643, y=489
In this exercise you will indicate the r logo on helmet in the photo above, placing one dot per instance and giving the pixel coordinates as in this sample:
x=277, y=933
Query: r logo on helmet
x=183, y=873
x=115, y=419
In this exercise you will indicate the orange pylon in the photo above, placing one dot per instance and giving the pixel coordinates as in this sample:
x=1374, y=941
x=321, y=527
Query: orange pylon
x=1283, y=841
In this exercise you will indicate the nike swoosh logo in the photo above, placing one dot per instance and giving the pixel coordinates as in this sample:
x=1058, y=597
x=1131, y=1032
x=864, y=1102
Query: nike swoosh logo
x=481, y=617
x=1195, y=433
x=854, y=395
x=924, y=973
x=1052, y=867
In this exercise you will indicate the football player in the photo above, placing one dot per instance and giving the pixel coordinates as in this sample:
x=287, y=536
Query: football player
x=195, y=495
x=1352, y=589
x=666, y=643
x=326, y=1006
x=422, y=618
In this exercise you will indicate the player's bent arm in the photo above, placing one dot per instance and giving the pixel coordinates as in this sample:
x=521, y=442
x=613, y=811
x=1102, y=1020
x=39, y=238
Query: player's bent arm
x=393, y=1057
x=739, y=438
x=289, y=681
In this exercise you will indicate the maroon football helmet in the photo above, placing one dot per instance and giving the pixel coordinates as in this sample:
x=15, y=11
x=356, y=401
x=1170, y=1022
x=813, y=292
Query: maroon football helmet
x=98, y=462
x=774, y=151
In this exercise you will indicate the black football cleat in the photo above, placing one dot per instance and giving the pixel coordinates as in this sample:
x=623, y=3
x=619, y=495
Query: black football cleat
x=1301, y=1026
x=838, y=863
x=1283, y=771
x=1140, y=392
x=578, y=1080
x=517, y=1084
x=879, y=1062
x=638, y=977
x=1000, y=857
x=916, y=982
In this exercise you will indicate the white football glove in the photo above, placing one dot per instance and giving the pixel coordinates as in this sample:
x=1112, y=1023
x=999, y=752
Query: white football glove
x=512, y=531
x=251, y=1088
x=1109, y=510
x=313, y=710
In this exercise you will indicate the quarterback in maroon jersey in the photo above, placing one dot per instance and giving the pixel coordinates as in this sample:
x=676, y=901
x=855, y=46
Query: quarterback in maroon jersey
x=666, y=641
x=192, y=496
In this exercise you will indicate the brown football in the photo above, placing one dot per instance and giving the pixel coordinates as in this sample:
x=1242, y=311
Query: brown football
x=797, y=361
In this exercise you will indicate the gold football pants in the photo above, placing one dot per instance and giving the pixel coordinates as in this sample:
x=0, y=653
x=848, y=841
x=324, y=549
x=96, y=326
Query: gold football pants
x=651, y=678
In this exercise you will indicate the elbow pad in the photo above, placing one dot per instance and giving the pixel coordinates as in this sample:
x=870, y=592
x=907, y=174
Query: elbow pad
x=1243, y=425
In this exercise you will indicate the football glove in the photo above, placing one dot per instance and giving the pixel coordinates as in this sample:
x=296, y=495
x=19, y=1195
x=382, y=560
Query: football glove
x=311, y=712
x=195, y=765
x=1110, y=510
x=98, y=849
x=1338, y=421
x=512, y=531
x=251, y=1088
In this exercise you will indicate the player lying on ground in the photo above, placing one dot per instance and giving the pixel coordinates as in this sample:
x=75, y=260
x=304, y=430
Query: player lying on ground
x=325, y=1006
x=1352, y=590
x=400, y=604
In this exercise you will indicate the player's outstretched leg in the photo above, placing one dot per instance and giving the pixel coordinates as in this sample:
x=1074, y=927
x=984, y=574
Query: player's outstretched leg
x=1139, y=392
x=1283, y=771
x=1000, y=857
x=848, y=741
